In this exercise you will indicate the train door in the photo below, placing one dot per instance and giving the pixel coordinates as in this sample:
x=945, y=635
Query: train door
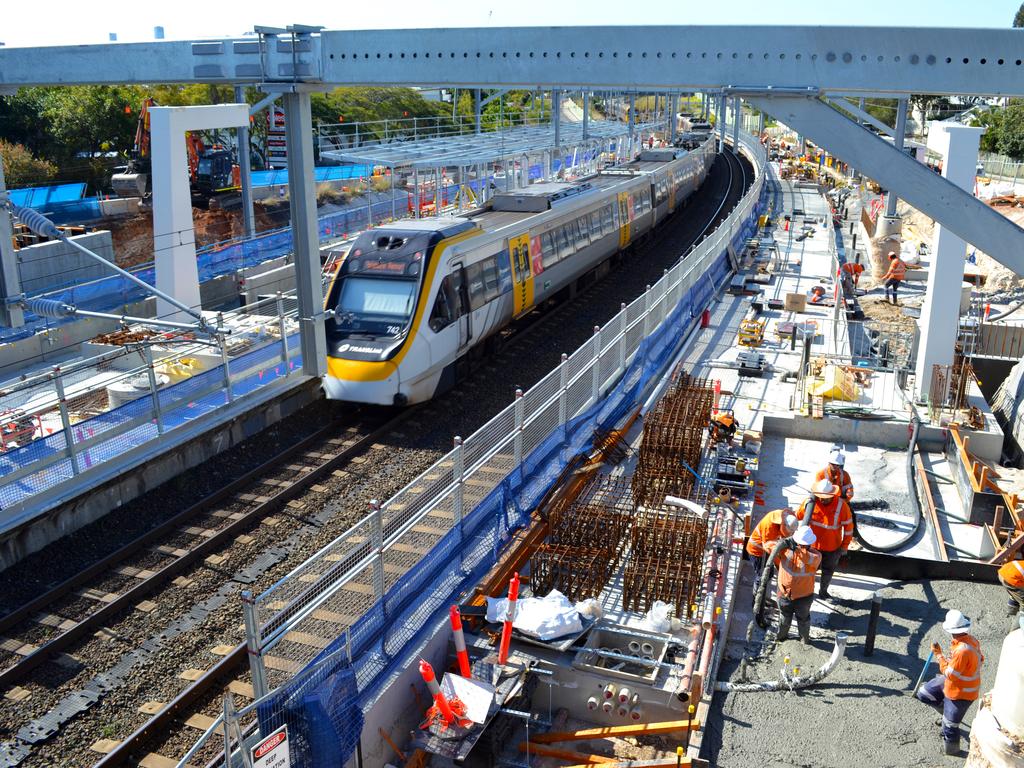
x=623, y=219
x=461, y=289
x=671, y=192
x=522, y=274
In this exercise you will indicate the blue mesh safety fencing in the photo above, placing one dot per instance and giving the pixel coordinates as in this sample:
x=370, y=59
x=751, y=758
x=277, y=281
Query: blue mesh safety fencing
x=381, y=640
x=180, y=404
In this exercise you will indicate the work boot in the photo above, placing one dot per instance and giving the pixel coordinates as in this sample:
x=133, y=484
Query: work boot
x=1012, y=608
x=805, y=632
x=951, y=747
x=783, y=632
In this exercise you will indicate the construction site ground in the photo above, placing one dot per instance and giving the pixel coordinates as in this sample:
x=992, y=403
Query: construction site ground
x=864, y=712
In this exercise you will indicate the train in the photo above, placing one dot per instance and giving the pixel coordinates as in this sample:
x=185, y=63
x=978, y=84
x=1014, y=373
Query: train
x=413, y=304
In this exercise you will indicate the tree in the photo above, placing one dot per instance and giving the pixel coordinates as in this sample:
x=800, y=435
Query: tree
x=92, y=118
x=21, y=168
x=1018, y=20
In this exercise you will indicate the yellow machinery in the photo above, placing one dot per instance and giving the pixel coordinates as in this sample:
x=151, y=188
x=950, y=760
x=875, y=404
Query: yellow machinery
x=751, y=333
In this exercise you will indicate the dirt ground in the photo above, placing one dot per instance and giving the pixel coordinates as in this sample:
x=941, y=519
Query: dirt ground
x=878, y=309
x=133, y=235
x=863, y=713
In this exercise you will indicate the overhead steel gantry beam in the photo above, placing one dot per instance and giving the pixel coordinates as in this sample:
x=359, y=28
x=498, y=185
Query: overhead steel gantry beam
x=889, y=60
x=959, y=211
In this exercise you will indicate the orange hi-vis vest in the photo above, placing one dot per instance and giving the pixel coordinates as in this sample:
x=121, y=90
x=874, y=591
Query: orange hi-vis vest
x=796, y=572
x=840, y=480
x=897, y=270
x=766, y=533
x=963, y=669
x=832, y=523
x=1012, y=572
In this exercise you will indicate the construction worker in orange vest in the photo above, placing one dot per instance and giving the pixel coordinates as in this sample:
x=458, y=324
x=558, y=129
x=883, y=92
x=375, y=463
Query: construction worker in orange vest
x=959, y=680
x=777, y=524
x=897, y=274
x=830, y=517
x=797, y=566
x=1011, y=576
x=836, y=474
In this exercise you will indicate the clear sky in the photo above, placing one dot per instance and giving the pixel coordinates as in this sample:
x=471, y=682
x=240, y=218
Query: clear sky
x=60, y=22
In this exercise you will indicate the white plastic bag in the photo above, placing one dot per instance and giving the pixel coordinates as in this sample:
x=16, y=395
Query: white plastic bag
x=659, y=617
x=545, y=618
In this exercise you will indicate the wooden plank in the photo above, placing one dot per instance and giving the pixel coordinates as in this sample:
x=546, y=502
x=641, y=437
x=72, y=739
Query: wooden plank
x=200, y=722
x=239, y=688
x=282, y=665
x=637, y=729
x=1012, y=547
x=565, y=754
x=305, y=638
x=151, y=707
x=925, y=482
x=333, y=617
x=153, y=760
x=104, y=746
x=192, y=674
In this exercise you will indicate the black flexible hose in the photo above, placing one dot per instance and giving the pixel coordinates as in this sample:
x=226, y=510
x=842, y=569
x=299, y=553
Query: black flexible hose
x=911, y=487
x=766, y=577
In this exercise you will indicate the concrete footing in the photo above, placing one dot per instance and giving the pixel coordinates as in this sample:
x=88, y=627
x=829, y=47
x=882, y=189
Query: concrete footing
x=89, y=507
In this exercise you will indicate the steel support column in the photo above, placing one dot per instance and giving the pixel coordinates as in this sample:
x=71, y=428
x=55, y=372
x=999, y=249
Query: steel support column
x=898, y=139
x=245, y=170
x=956, y=209
x=720, y=122
x=305, y=238
x=586, y=114
x=556, y=116
x=477, y=107
x=11, y=315
x=736, y=114
x=674, y=118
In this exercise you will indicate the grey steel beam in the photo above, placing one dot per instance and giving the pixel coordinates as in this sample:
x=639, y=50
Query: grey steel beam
x=914, y=182
x=496, y=95
x=890, y=60
x=861, y=114
x=11, y=314
x=898, y=139
x=305, y=238
x=245, y=169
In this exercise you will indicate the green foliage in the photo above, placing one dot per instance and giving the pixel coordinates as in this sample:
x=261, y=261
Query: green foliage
x=21, y=168
x=368, y=104
x=1004, y=132
x=1018, y=19
x=91, y=118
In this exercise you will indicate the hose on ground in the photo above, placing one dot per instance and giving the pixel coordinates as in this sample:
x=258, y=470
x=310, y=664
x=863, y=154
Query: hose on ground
x=766, y=577
x=792, y=683
x=911, y=487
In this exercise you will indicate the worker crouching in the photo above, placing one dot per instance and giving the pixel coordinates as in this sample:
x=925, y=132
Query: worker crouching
x=958, y=681
x=777, y=524
x=797, y=567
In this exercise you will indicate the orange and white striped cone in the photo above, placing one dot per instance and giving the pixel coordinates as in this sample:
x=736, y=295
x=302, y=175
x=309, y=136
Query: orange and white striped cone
x=440, y=701
x=460, y=642
x=510, y=615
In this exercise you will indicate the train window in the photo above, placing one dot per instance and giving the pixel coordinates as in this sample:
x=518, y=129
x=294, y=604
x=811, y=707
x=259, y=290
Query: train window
x=564, y=243
x=475, y=284
x=595, y=225
x=548, y=249
x=504, y=271
x=491, y=279
x=445, y=311
x=608, y=217
x=582, y=233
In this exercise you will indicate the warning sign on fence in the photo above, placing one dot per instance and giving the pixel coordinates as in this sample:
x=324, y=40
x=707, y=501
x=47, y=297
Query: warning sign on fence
x=272, y=752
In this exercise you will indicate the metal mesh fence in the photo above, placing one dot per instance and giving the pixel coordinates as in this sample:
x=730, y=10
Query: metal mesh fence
x=443, y=531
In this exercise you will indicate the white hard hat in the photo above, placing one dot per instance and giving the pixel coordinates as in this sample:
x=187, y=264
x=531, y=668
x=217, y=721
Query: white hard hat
x=805, y=536
x=837, y=457
x=956, y=623
x=789, y=521
x=823, y=488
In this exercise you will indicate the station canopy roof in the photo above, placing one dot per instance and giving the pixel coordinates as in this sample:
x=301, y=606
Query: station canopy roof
x=472, y=148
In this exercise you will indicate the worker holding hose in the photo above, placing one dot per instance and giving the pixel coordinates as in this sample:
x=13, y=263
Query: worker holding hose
x=829, y=515
x=836, y=474
x=797, y=566
x=1011, y=576
x=777, y=524
x=959, y=680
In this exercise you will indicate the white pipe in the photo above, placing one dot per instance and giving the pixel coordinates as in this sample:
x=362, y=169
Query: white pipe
x=793, y=683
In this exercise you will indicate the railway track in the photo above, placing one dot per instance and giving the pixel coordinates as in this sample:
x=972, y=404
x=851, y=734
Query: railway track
x=202, y=695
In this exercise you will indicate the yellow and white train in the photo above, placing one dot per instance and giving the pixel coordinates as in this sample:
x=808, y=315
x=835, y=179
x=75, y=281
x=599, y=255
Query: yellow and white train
x=413, y=302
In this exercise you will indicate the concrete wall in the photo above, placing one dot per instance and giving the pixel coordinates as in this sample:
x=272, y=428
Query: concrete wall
x=54, y=264
x=96, y=502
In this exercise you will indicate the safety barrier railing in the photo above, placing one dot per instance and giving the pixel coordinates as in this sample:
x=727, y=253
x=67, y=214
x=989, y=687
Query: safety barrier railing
x=69, y=425
x=351, y=573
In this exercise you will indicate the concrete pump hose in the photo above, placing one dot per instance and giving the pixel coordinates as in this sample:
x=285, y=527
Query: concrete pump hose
x=766, y=577
x=793, y=683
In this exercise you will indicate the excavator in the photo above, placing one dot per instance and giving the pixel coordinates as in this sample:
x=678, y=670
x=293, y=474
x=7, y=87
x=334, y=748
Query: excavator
x=213, y=170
